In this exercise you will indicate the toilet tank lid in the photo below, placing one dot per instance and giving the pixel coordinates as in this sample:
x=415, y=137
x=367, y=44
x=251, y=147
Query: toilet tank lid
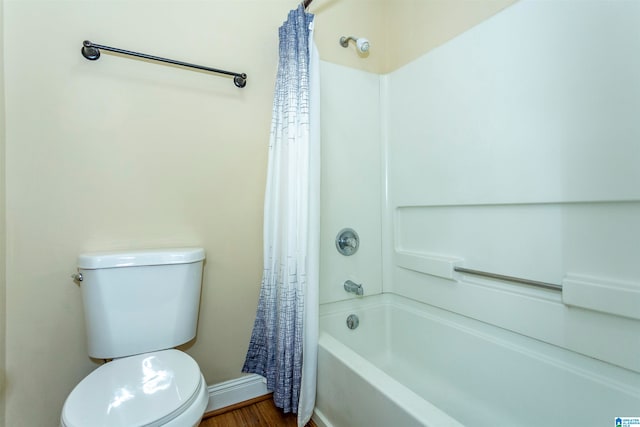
x=113, y=259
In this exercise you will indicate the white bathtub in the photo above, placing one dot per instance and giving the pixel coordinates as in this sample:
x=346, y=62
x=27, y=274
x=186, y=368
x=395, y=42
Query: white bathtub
x=411, y=364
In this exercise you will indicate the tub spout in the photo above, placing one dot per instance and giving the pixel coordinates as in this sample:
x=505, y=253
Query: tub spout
x=354, y=288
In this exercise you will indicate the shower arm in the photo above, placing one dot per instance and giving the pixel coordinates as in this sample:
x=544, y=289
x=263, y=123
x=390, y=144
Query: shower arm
x=344, y=41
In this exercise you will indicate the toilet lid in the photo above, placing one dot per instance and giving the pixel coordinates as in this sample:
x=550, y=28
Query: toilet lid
x=143, y=390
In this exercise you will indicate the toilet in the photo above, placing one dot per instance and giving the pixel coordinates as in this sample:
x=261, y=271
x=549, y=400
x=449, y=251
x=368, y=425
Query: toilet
x=138, y=306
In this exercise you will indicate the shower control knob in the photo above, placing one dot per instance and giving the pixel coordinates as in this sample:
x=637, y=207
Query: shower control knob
x=347, y=242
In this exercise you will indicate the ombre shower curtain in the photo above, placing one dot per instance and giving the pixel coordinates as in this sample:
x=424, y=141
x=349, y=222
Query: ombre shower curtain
x=284, y=341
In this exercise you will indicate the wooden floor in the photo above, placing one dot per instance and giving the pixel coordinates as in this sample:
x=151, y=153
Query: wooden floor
x=256, y=412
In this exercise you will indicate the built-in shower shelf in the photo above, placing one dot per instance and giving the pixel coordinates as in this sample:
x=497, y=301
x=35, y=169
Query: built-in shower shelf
x=611, y=296
x=433, y=264
x=602, y=294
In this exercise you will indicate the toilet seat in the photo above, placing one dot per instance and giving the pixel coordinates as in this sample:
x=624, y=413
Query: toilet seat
x=147, y=390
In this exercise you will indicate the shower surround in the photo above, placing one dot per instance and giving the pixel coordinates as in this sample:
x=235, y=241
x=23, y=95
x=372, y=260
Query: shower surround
x=509, y=150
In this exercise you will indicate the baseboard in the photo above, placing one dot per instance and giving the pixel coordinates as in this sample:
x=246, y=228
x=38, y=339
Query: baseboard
x=234, y=391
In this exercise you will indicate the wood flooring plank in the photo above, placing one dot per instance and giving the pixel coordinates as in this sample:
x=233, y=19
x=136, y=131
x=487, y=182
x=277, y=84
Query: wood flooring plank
x=261, y=413
x=238, y=405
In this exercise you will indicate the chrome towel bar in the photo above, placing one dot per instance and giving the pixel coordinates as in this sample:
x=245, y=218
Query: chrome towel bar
x=535, y=283
x=91, y=51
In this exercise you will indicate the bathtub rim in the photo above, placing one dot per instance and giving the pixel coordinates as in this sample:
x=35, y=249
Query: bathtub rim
x=416, y=407
x=602, y=372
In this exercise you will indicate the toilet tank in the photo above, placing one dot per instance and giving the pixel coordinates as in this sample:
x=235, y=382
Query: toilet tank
x=140, y=301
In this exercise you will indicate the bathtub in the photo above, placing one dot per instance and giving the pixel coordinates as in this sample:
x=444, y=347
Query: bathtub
x=411, y=364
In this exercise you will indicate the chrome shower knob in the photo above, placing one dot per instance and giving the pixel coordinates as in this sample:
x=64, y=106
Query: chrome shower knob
x=347, y=241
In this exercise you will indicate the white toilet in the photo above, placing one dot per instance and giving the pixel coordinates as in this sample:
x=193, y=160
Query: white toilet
x=138, y=306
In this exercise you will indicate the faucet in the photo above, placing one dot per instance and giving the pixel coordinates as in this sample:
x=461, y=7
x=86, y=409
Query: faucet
x=354, y=288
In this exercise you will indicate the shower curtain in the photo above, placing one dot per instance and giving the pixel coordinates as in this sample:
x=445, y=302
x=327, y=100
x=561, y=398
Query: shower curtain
x=283, y=345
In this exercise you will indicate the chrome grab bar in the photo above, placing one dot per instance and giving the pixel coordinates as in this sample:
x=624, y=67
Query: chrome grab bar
x=528, y=282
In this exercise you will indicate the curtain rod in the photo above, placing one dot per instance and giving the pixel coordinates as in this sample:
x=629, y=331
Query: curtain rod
x=91, y=51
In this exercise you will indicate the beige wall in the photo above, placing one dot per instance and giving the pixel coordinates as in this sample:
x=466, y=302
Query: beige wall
x=360, y=18
x=414, y=27
x=2, y=222
x=120, y=153
x=399, y=30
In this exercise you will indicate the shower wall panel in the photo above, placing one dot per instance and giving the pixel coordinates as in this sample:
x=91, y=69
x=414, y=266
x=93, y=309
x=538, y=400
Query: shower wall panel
x=514, y=149
x=351, y=179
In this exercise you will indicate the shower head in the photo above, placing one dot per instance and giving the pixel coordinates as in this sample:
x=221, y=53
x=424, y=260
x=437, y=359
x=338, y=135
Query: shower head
x=362, y=44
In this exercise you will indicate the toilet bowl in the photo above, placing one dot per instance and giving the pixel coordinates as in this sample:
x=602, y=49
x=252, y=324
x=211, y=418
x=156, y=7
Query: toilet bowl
x=138, y=306
x=163, y=388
